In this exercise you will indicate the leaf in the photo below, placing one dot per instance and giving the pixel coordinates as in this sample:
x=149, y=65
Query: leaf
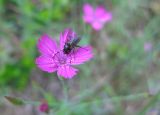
x=14, y=101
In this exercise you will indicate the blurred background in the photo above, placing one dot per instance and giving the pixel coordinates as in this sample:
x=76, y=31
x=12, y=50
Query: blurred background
x=123, y=78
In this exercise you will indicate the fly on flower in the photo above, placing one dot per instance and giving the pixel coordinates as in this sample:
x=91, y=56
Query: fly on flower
x=71, y=41
x=71, y=44
x=61, y=59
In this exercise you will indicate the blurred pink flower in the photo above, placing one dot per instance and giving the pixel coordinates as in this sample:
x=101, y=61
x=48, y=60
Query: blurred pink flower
x=147, y=46
x=53, y=58
x=96, y=17
x=43, y=107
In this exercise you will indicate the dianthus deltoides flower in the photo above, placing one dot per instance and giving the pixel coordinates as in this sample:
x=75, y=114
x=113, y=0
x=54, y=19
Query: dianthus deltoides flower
x=96, y=17
x=44, y=107
x=54, y=59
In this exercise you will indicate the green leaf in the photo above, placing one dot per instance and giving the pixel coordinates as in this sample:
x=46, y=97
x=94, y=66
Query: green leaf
x=14, y=101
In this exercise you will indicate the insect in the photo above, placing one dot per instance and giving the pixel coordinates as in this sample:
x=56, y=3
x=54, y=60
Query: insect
x=71, y=44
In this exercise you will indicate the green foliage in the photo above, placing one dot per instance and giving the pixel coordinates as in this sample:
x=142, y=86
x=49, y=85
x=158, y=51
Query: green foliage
x=25, y=18
x=14, y=101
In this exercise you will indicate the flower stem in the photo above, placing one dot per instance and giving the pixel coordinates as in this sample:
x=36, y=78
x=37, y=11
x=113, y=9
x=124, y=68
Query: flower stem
x=64, y=87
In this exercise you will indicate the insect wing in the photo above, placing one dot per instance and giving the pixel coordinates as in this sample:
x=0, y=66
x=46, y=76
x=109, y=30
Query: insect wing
x=66, y=36
x=76, y=40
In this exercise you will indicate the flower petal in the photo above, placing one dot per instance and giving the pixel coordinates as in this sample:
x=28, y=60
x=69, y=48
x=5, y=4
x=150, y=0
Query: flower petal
x=88, y=13
x=102, y=15
x=97, y=25
x=80, y=56
x=46, y=63
x=67, y=71
x=87, y=9
x=47, y=46
x=65, y=36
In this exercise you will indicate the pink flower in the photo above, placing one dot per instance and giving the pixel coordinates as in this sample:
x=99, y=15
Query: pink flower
x=43, y=107
x=54, y=59
x=147, y=46
x=96, y=18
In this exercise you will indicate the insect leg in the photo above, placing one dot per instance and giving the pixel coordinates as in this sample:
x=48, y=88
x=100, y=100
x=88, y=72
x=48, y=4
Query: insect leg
x=81, y=47
x=72, y=57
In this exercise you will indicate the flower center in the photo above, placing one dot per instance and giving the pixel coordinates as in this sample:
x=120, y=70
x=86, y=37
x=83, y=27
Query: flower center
x=62, y=60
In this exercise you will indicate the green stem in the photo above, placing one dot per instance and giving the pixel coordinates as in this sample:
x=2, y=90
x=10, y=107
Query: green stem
x=64, y=87
x=152, y=102
x=122, y=98
x=31, y=102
